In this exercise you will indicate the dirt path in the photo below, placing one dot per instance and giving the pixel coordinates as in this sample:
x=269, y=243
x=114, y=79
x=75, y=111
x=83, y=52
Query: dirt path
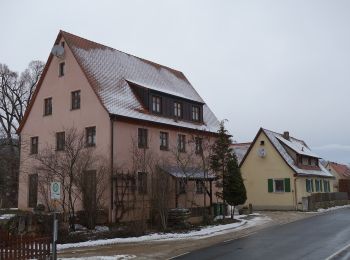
x=168, y=249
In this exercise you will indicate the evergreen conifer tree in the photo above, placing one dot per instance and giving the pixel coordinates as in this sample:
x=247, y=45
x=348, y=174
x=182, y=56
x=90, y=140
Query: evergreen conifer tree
x=234, y=192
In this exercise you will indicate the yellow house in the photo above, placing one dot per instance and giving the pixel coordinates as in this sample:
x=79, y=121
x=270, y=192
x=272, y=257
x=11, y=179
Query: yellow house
x=279, y=170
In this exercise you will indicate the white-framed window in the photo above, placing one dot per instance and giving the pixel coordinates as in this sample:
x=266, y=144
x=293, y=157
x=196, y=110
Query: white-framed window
x=90, y=136
x=279, y=185
x=195, y=113
x=309, y=185
x=327, y=186
x=181, y=143
x=156, y=104
x=319, y=186
x=143, y=138
x=177, y=109
x=164, y=140
x=61, y=70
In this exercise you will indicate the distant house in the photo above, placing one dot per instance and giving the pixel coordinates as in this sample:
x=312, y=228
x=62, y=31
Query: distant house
x=127, y=107
x=240, y=149
x=279, y=170
x=340, y=172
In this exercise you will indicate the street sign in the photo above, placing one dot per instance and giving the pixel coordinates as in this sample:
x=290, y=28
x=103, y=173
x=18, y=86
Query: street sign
x=55, y=190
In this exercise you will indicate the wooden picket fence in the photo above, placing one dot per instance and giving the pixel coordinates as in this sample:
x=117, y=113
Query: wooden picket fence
x=24, y=247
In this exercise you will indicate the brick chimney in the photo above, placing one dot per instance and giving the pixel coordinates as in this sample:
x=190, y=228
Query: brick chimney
x=286, y=135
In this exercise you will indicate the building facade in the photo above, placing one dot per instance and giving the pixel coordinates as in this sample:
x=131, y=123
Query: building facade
x=279, y=170
x=130, y=110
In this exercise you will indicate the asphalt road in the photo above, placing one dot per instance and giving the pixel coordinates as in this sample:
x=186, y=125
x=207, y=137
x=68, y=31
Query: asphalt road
x=325, y=236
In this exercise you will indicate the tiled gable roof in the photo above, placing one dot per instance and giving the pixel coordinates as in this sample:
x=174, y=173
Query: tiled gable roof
x=110, y=72
x=240, y=149
x=342, y=169
x=300, y=147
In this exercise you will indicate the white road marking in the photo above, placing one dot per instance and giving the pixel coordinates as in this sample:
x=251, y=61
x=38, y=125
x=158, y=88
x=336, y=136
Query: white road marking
x=178, y=255
x=338, y=252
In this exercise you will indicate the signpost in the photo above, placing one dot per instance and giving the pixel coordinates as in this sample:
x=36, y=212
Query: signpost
x=55, y=195
x=55, y=190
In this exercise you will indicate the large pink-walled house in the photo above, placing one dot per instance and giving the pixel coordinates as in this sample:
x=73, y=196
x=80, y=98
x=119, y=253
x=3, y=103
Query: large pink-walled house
x=118, y=100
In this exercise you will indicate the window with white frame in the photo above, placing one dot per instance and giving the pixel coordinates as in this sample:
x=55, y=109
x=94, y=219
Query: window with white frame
x=181, y=143
x=156, y=104
x=309, y=185
x=327, y=186
x=195, y=113
x=177, y=109
x=279, y=185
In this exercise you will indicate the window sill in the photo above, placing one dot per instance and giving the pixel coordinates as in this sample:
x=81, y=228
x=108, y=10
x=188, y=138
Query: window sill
x=164, y=149
x=73, y=109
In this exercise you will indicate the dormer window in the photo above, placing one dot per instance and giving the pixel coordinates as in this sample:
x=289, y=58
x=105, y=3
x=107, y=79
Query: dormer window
x=177, y=109
x=61, y=69
x=156, y=104
x=195, y=113
x=300, y=159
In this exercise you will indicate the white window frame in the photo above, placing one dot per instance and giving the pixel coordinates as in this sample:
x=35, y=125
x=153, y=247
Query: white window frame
x=274, y=185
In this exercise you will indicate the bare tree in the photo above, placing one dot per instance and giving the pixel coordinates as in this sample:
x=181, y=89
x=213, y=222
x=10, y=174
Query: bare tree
x=71, y=166
x=125, y=193
x=161, y=194
x=15, y=95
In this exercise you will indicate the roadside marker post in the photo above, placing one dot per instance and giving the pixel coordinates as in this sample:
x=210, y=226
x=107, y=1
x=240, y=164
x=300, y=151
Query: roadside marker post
x=55, y=196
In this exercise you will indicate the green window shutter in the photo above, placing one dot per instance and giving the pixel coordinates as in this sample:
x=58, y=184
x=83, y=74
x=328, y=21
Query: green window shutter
x=312, y=185
x=307, y=182
x=321, y=185
x=270, y=185
x=287, y=185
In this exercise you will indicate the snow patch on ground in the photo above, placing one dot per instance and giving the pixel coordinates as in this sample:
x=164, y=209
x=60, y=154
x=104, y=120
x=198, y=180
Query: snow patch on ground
x=195, y=234
x=114, y=257
x=333, y=208
x=329, y=209
x=102, y=228
x=7, y=216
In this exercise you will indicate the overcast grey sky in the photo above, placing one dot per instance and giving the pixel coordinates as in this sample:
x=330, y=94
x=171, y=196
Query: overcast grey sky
x=281, y=65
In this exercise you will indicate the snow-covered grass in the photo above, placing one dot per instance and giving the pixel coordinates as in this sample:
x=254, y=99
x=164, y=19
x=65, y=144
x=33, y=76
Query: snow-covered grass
x=195, y=234
x=114, y=257
x=7, y=216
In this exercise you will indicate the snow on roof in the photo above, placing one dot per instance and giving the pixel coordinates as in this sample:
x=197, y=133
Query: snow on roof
x=297, y=145
x=188, y=173
x=275, y=138
x=110, y=70
x=240, y=149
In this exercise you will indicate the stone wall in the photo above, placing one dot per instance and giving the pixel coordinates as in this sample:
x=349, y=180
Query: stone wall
x=327, y=200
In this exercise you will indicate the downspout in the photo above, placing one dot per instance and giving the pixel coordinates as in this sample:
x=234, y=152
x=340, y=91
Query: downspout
x=112, y=165
x=295, y=193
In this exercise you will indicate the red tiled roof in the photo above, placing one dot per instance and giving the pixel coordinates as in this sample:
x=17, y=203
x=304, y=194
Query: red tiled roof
x=342, y=169
x=110, y=72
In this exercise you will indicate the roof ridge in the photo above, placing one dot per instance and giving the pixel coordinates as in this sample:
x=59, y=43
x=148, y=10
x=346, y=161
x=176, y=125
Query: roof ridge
x=281, y=134
x=113, y=49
